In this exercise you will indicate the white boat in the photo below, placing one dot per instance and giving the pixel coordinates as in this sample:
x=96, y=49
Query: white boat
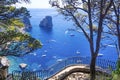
x=77, y=52
x=111, y=45
x=72, y=34
x=100, y=55
x=59, y=60
x=44, y=55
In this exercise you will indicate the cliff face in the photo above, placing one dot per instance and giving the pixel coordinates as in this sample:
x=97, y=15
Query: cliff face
x=46, y=22
x=27, y=23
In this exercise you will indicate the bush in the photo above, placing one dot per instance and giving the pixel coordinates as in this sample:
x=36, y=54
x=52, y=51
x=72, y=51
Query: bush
x=116, y=73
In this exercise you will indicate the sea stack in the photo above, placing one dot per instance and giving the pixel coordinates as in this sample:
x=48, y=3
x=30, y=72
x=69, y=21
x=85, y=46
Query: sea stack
x=46, y=22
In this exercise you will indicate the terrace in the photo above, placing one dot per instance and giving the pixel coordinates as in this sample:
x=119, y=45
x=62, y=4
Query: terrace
x=64, y=68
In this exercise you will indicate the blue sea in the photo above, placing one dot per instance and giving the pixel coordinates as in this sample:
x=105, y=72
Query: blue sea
x=58, y=43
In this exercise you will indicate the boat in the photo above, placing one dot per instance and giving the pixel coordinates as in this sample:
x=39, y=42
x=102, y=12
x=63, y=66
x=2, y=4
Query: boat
x=100, y=55
x=59, y=60
x=77, y=52
x=72, y=34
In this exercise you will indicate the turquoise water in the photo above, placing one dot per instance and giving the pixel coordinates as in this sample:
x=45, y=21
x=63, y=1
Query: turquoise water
x=58, y=43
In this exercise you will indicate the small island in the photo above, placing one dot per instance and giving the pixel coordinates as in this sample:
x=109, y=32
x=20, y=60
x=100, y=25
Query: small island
x=46, y=22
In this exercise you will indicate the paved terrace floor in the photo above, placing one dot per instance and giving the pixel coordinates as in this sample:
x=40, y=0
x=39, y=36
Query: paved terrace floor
x=68, y=70
x=82, y=72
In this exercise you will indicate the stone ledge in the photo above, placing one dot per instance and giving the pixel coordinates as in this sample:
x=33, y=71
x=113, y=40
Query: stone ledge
x=75, y=68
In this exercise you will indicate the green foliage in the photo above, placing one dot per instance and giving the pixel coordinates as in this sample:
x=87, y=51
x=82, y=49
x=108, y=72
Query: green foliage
x=85, y=6
x=24, y=11
x=116, y=73
x=16, y=22
x=69, y=7
x=10, y=2
x=94, y=28
x=14, y=43
x=13, y=40
x=12, y=15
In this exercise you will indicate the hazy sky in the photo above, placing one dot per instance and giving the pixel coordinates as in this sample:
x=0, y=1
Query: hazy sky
x=36, y=4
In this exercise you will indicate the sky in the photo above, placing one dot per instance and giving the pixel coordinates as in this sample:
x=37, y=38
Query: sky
x=36, y=4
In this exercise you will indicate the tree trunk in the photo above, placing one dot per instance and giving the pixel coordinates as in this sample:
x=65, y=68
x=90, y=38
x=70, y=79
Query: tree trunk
x=118, y=32
x=92, y=68
x=3, y=73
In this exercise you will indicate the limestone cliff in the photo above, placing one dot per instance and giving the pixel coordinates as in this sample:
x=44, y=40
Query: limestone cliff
x=27, y=23
x=46, y=22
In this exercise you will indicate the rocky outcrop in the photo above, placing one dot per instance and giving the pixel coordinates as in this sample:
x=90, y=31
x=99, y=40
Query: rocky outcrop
x=27, y=23
x=4, y=64
x=46, y=22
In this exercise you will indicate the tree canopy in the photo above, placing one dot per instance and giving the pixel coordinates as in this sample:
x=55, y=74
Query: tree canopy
x=113, y=24
x=89, y=17
x=14, y=41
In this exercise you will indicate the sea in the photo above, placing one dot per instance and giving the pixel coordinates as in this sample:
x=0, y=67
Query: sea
x=64, y=40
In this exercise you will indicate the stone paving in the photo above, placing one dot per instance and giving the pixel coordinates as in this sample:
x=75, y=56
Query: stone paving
x=75, y=72
x=66, y=72
x=78, y=76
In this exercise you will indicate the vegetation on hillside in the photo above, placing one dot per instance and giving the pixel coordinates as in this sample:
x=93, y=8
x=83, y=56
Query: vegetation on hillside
x=14, y=41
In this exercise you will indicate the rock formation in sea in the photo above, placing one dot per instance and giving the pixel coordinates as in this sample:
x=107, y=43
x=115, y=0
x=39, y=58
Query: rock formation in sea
x=27, y=23
x=46, y=22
